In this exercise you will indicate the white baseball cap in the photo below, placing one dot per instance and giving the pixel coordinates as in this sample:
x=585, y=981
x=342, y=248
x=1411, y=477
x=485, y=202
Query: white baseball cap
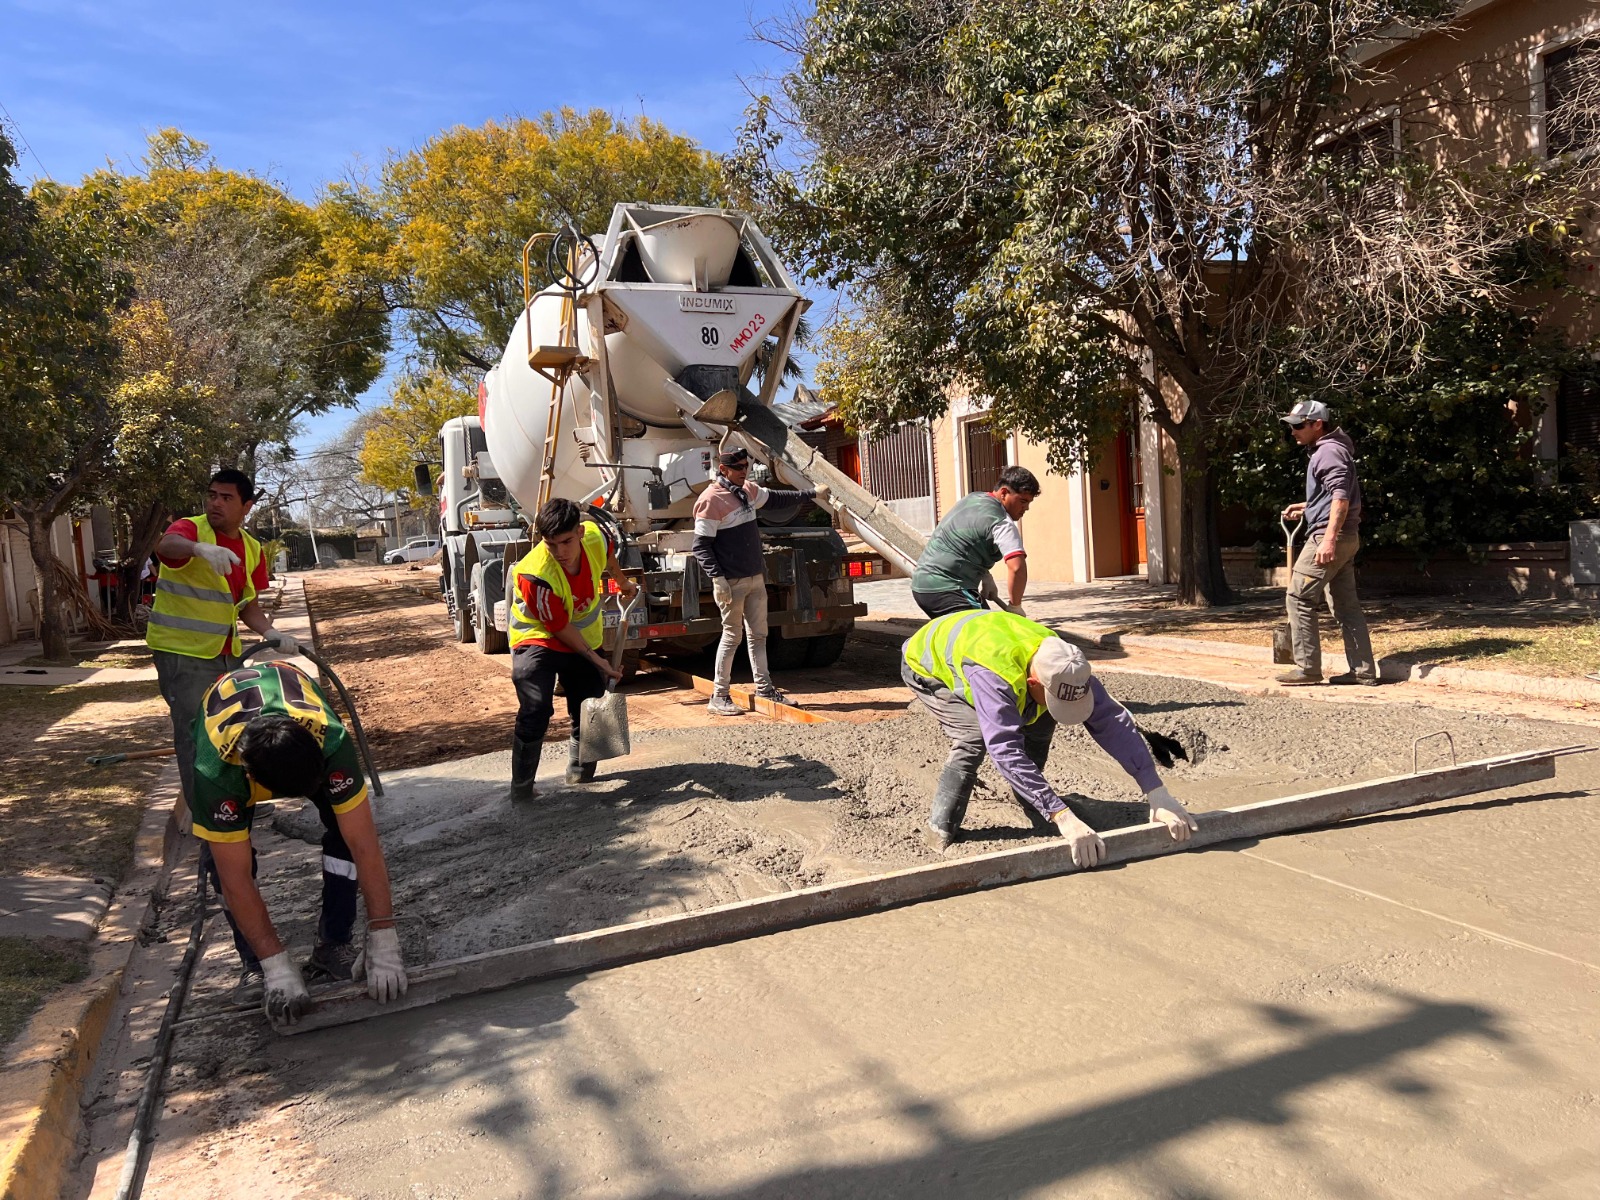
x=1064, y=671
x=1307, y=410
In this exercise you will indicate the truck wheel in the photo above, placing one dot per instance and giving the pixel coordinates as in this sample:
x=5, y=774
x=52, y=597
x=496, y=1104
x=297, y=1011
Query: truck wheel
x=824, y=651
x=462, y=618
x=786, y=654
x=490, y=640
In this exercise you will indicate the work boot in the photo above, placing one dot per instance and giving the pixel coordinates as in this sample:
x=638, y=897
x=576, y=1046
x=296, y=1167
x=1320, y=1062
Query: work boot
x=524, y=766
x=770, y=692
x=938, y=840
x=331, y=962
x=1350, y=677
x=251, y=980
x=722, y=705
x=1299, y=677
x=578, y=771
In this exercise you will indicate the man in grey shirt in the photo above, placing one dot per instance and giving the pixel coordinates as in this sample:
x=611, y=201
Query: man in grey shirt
x=1326, y=565
x=980, y=531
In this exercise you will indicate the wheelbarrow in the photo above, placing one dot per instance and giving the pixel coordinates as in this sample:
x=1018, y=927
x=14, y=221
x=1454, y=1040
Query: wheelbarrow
x=1282, y=634
x=603, y=720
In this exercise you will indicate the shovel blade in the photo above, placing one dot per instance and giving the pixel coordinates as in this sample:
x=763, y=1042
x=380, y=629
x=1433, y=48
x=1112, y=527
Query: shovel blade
x=1283, y=645
x=603, y=729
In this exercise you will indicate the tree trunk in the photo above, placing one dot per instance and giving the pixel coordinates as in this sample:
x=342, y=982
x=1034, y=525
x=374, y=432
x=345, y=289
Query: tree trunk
x=1201, y=579
x=144, y=531
x=52, y=633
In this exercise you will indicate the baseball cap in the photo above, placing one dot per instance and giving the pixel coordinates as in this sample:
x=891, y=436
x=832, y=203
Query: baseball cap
x=1064, y=671
x=734, y=458
x=1306, y=410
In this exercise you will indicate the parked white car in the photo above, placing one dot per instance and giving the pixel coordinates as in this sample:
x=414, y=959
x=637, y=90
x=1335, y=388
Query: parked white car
x=414, y=550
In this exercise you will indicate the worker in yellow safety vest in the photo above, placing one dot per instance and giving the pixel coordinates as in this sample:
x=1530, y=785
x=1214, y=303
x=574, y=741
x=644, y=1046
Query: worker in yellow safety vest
x=556, y=630
x=211, y=573
x=1000, y=683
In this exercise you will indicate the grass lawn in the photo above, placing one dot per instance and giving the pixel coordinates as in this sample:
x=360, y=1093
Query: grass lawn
x=30, y=969
x=1547, y=640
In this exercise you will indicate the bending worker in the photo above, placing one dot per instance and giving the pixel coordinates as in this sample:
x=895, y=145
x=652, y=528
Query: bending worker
x=727, y=545
x=977, y=533
x=267, y=730
x=556, y=633
x=211, y=572
x=1000, y=683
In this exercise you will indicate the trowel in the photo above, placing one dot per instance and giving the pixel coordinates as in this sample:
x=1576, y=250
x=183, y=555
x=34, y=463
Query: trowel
x=603, y=720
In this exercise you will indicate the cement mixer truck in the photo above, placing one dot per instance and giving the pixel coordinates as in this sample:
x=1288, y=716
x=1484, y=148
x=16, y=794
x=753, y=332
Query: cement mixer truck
x=624, y=375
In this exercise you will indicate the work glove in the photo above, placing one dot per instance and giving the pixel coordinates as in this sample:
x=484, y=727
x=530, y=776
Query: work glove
x=380, y=964
x=1169, y=812
x=283, y=643
x=1087, y=848
x=283, y=992
x=824, y=494
x=1165, y=750
x=219, y=558
x=722, y=590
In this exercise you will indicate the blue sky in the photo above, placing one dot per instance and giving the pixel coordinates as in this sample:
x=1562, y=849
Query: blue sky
x=305, y=93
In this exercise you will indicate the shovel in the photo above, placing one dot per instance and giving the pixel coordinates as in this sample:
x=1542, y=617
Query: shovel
x=603, y=720
x=1282, y=635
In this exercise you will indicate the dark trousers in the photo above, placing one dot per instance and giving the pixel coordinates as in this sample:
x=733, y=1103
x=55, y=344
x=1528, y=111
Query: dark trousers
x=534, y=671
x=338, y=920
x=937, y=604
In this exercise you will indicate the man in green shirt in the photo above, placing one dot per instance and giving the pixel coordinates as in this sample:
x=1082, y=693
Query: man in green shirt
x=267, y=730
x=980, y=531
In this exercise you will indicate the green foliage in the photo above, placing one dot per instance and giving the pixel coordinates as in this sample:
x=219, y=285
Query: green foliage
x=1447, y=451
x=405, y=431
x=462, y=205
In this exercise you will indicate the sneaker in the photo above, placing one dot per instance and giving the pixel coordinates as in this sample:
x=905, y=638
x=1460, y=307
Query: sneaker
x=937, y=840
x=1350, y=677
x=721, y=705
x=251, y=981
x=1299, y=677
x=331, y=962
x=777, y=697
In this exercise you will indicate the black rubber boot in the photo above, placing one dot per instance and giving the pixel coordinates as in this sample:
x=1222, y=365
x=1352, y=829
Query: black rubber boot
x=577, y=770
x=524, y=766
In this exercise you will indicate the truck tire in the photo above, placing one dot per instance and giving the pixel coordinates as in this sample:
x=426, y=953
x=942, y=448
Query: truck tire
x=824, y=651
x=462, y=617
x=787, y=654
x=490, y=640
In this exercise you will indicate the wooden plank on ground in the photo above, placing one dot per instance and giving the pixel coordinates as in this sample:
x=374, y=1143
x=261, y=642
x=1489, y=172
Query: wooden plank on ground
x=619, y=944
x=744, y=696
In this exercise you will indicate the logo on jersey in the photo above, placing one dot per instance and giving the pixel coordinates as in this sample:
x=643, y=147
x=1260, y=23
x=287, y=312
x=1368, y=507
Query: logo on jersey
x=340, y=782
x=227, y=812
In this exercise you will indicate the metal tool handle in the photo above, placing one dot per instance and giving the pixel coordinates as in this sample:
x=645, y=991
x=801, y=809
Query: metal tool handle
x=1289, y=536
x=624, y=611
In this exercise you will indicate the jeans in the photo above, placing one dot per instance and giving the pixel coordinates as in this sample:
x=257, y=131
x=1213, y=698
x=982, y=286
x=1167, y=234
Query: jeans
x=1308, y=585
x=184, y=681
x=937, y=604
x=959, y=721
x=744, y=614
x=534, y=670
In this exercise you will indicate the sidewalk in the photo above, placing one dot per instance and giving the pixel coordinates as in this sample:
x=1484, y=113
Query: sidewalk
x=1131, y=614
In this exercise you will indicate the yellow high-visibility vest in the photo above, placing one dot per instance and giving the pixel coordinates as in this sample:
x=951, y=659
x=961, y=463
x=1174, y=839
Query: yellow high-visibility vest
x=195, y=612
x=539, y=563
x=1001, y=642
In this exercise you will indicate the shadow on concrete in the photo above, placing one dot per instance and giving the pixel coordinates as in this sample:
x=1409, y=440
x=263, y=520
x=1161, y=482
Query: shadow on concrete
x=1052, y=1151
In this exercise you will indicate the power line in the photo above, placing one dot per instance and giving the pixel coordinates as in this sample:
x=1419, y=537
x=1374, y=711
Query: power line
x=21, y=137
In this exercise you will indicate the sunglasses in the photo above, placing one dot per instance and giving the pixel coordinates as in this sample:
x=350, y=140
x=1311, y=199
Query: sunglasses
x=1299, y=425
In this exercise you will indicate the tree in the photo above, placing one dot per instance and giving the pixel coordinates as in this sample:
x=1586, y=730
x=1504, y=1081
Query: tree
x=405, y=432
x=1065, y=205
x=59, y=291
x=461, y=207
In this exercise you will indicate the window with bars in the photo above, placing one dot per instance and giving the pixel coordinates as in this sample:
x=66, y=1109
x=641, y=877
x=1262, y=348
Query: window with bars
x=986, y=457
x=1362, y=154
x=1572, y=98
x=897, y=465
x=1578, y=417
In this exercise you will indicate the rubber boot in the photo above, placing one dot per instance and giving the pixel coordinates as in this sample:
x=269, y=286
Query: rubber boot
x=577, y=770
x=524, y=766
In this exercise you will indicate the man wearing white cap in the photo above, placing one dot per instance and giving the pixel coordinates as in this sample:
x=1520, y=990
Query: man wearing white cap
x=1326, y=565
x=1000, y=683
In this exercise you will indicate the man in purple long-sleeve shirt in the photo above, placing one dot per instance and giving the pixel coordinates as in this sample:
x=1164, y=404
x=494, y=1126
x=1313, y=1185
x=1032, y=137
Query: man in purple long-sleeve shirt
x=998, y=684
x=1326, y=566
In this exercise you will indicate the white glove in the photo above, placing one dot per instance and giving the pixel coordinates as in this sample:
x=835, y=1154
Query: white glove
x=380, y=964
x=722, y=590
x=1087, y=848
x=283, y=643
x=283, y=993
x=1169, y=812
x=824, y=494
x=219, y=558
x=1016, y=608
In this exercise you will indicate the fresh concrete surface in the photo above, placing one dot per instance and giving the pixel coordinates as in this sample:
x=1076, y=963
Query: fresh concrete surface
x=52, y=906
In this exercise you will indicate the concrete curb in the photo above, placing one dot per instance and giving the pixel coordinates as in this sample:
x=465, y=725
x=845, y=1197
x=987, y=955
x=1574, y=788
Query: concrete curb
x=41, y=1088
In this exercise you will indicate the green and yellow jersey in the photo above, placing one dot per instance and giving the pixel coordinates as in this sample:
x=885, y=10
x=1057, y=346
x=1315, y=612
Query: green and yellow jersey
x=225, y=796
